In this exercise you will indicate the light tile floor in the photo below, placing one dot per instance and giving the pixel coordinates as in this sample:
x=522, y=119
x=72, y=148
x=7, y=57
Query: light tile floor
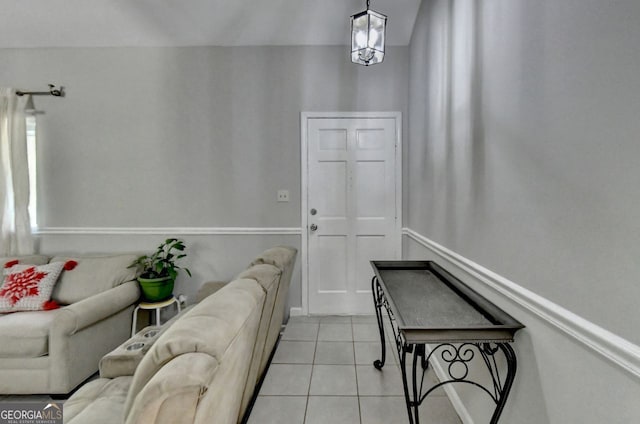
x=322, y=372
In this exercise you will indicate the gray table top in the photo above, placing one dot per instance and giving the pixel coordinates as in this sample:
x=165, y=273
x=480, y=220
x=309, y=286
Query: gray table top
x=423, y=301
x=431, y=305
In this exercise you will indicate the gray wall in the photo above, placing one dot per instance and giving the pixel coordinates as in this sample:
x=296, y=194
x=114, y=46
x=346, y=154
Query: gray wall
x=201, y=136
x=558, y=380
x=211, y=257
x=533, y=171
x=523, y=157
x=186, y=137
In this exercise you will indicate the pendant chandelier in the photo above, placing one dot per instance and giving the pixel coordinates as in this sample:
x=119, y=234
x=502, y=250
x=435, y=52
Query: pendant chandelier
x=367, y=37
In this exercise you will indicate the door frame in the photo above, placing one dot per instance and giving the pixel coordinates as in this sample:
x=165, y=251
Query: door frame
x=304, y=184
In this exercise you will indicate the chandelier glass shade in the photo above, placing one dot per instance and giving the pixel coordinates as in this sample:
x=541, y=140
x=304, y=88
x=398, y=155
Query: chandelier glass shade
x=367, y=37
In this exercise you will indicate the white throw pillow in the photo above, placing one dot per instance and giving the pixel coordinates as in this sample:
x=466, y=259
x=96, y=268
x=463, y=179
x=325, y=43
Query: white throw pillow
x=29, y=287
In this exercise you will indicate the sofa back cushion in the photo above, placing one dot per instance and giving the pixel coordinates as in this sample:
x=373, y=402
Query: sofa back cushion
x=92, y=275
x=279, y=256
x=283, y=258
x=24, y=260
x=224, y=319
x=268, y=276
x=173, y=394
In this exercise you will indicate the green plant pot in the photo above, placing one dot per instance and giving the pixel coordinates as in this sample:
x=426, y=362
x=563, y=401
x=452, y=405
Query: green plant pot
x=156, y=289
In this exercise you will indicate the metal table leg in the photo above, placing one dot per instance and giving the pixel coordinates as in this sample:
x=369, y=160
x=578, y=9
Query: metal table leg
x=455, y=359
x=512, y=365
x=378, y=298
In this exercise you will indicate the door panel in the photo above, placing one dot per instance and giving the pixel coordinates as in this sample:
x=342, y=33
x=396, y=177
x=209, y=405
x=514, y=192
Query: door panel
x=351, y=185
x=370, y=203
x=332, y=198
x=332, y=139
x=331, y=263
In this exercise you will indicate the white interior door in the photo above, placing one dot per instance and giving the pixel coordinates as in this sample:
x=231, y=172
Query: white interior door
x=351, y=209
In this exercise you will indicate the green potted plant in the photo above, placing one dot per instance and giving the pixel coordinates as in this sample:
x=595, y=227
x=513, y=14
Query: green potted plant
x=159, y=270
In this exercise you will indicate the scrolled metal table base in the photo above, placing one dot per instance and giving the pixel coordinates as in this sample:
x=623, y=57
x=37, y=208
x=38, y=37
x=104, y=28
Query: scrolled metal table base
x=455, y=359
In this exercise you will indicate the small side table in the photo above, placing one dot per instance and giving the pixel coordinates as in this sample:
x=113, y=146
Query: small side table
x=152, y=305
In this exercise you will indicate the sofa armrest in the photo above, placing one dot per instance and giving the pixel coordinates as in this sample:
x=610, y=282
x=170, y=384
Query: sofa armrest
x=82, y=314
x=209, y=288
x=83, y=332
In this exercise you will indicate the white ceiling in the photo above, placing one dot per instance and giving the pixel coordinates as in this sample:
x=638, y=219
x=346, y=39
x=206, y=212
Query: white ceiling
x=106, y=23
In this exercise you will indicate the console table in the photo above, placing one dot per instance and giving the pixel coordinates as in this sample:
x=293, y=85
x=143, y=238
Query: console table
x=428, y=306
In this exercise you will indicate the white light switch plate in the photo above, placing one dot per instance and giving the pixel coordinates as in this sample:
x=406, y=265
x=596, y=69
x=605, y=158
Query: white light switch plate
x=283, y=195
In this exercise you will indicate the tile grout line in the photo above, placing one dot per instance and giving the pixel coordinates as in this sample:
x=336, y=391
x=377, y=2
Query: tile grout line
x=355, y=369
x=313, y=362
x=388, y=342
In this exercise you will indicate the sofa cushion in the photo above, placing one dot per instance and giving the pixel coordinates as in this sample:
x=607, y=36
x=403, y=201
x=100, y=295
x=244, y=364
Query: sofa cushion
x=100, y=401
x=25, y=334
x=283, y=258
x=92, y=275
x=173, y=394
x=209, y=288
x=266, y=275
x=279, y=256
x=26, y=259
x=29, y=287
x=208, y=328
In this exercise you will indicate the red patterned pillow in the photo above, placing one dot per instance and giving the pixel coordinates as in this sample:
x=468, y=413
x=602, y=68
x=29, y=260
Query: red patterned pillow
x=29, y=287
x=11, y=263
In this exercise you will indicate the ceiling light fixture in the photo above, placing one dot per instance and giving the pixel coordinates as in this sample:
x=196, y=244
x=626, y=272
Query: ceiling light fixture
x=367, y=37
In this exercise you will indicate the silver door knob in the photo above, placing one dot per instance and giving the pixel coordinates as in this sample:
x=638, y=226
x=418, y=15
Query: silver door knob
x=313, y=227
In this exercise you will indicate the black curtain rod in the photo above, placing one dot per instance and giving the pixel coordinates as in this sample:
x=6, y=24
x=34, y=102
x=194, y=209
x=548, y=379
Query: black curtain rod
x=53, y=91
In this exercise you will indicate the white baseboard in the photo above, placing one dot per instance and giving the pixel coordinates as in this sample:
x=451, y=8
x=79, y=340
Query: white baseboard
x=295, y=311
x=610, y=346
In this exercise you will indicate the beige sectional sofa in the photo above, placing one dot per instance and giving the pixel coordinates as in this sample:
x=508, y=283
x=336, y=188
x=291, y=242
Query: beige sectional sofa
x=54, y=351
x=205, y=365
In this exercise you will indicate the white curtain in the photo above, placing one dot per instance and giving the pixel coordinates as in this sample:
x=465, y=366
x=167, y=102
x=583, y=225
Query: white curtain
x=15, y=224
